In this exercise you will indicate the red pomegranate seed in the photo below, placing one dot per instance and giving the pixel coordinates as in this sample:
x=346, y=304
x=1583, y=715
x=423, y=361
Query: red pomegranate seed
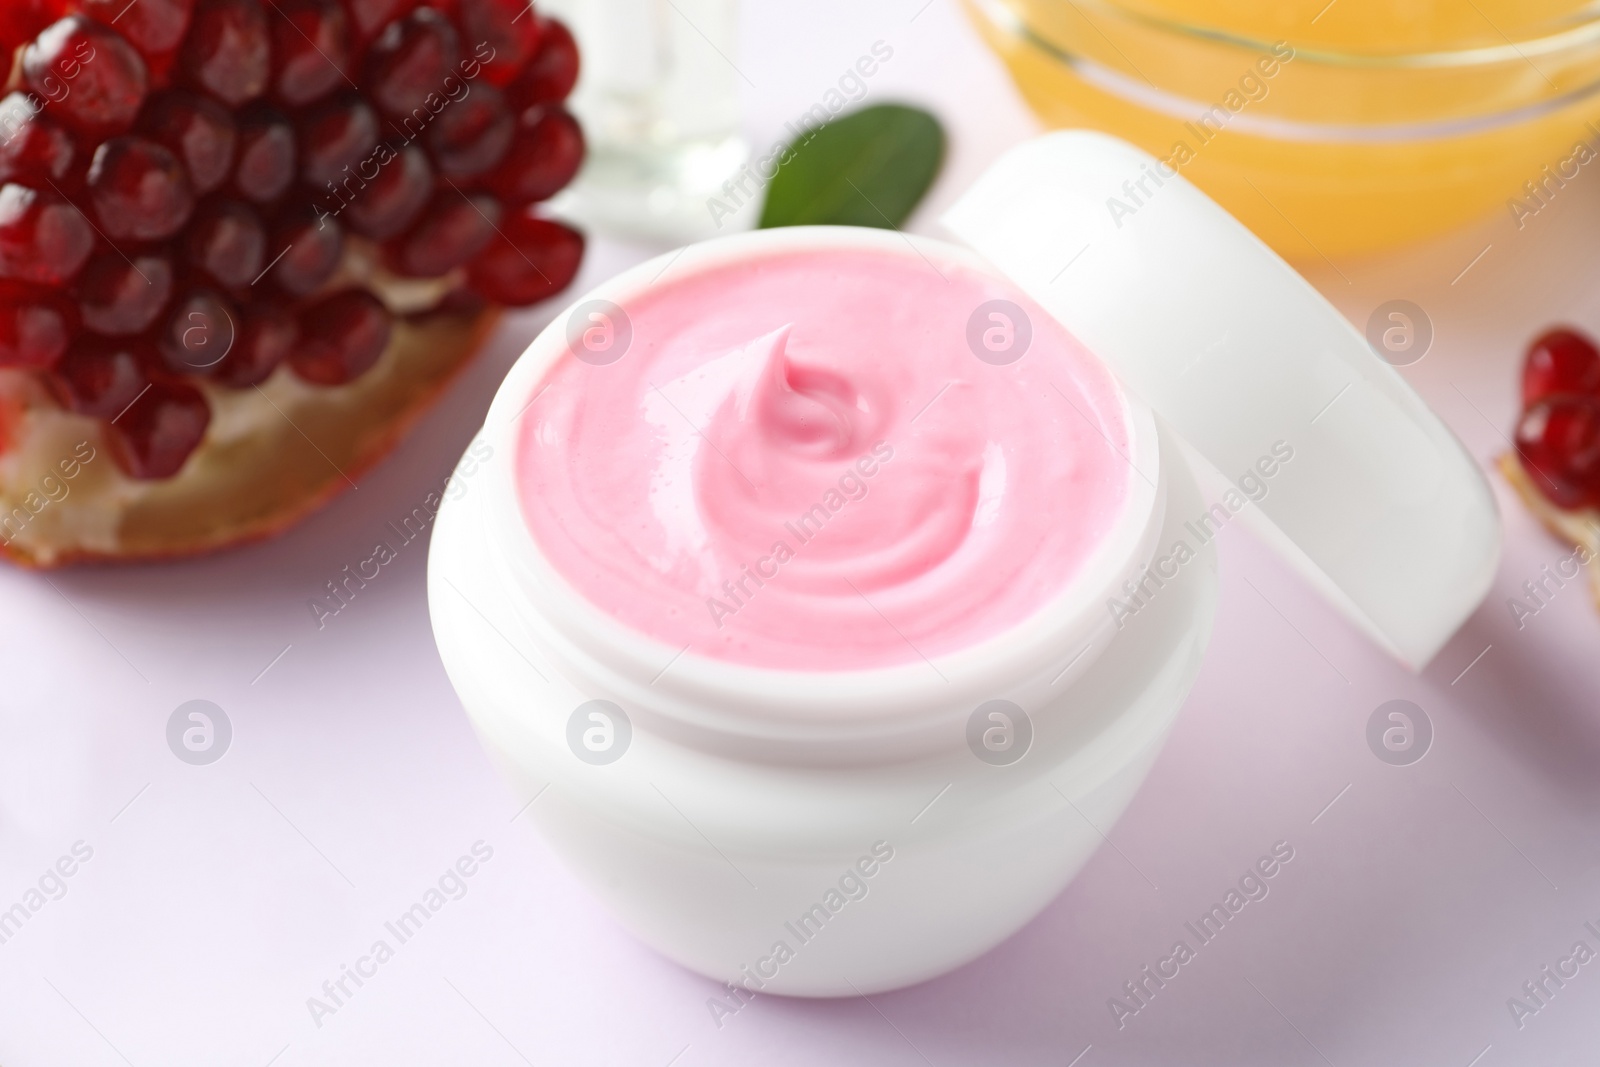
x=200, y=330
x=228, y=52
x=310, y=250
x=451, y=232
x=227, y=242
x=310, y=51
x=267, y=336
x=266, y=156
x=1559, y=438
x=409, y=63
x=94, y=80
x=334, y=140
x=369, y=17
x=196, y=129
x=31, y=144
x=21, y=20
x=36, y=325
x=508, y=27
x=472, y=134
x=546, y=153
x=1560, y=361
x=553, y=71
x=154, y=27
x=101, y=376
x=341, y=337
x=139, y=190
x=156, y=434
x=119, y=297
x=531, y=259
x=389, y=203
x=43, y=238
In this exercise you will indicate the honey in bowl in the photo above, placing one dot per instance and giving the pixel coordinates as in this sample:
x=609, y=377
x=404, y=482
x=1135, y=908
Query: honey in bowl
x=1330, y=129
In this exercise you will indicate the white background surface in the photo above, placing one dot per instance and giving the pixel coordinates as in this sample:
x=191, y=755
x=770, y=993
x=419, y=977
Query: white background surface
x=220, y=898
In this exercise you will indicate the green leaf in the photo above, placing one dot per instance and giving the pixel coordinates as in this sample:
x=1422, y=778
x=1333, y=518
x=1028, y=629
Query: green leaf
x=868, y=168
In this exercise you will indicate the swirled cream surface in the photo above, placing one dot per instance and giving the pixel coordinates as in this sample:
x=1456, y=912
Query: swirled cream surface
x=801, y=462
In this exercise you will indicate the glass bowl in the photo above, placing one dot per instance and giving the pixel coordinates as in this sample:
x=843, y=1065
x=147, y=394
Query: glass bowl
x=1331, y=133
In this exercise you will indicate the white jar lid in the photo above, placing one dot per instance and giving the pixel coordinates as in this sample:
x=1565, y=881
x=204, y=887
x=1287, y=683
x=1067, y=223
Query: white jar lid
x=1381, y=507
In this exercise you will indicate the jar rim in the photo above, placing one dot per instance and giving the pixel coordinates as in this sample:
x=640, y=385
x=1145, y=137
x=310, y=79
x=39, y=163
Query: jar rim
x=1072, y=627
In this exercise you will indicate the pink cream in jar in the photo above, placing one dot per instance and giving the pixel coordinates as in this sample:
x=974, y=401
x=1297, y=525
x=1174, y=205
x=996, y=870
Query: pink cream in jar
x=826, y=459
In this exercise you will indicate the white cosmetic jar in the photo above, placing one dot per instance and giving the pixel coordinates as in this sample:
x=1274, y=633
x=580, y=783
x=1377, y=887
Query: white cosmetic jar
x=835, y=833
x=743, y=795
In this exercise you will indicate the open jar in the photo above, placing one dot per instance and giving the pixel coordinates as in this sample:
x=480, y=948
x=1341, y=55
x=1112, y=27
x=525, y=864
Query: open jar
x=804, y=811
